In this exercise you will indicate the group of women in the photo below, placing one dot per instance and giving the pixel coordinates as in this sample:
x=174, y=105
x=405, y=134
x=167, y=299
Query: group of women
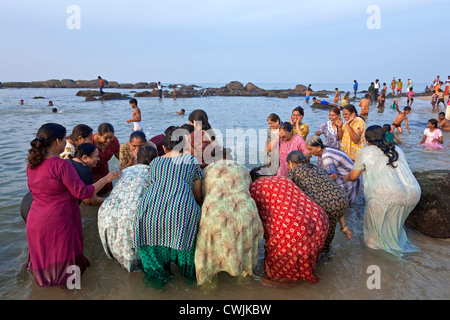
x=193, y=206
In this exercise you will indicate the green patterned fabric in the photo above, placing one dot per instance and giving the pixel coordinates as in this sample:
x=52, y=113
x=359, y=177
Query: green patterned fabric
x=169, y=214
x=230, y=228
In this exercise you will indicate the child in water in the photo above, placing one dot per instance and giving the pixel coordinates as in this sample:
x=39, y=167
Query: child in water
x=400, y=117
x=432, y=136
x=389, y=136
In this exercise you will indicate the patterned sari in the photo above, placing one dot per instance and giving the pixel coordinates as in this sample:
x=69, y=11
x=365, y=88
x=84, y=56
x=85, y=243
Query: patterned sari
x=295, y=228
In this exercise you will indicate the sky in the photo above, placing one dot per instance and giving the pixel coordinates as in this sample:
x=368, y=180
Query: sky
x=218, y=41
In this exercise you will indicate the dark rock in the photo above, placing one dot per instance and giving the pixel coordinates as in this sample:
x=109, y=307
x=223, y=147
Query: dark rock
x=235, y=86
x=113, y=96
x=300, y=88
x=52, y=83
x=251, y=87
x=140, y=85
x=39, y=98
x=16, y=84
x=153, y=93
x=68, y=83
x=90, y=98
x=126, y=86
x=88, y=93
x=431, y=216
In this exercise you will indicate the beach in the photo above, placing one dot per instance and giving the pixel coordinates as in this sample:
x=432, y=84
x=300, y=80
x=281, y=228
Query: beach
x=421, y=275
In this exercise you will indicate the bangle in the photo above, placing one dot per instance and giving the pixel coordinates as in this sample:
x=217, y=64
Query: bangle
x=344, y=229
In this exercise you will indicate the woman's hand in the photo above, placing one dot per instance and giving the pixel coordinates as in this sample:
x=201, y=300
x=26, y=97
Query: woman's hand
x=113, y=175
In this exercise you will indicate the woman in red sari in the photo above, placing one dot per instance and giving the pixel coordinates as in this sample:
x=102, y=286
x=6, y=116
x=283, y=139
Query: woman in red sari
x=54, y=230
x=295, y=228
x=108, y=146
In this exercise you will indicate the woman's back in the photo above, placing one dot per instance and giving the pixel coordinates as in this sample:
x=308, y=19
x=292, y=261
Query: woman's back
x=393, y=186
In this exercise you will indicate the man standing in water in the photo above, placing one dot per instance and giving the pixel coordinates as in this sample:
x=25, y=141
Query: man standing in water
x=393, y=85
x=137, y=125
x=159, y=87
x=355, y=87
x=376, y=87
x=100, y=80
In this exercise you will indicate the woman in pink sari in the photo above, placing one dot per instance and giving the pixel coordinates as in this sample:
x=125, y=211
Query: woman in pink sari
x=295, y=228
x=286, y=142
x=54, y=230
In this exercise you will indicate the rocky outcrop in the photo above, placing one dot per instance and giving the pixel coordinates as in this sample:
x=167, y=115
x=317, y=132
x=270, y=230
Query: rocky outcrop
x=91, y=95
x=431, y=216
x=235, y=86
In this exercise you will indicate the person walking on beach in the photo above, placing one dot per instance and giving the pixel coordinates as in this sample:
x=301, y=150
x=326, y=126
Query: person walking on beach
x=393, y=85
x=137, y=118
x=400, y=117
x=399, y=87
x=101, y=84
x=410, y=85
x=159, y=87
x=376, y=88
x=355, y=87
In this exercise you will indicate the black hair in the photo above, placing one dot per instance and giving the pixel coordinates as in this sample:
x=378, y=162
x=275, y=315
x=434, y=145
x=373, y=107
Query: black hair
x=84, y=149
x=82, y=130
x=46, y=135
x=146, y=154
x=54, y=110
x=138, y=135
x=375, y=136
x=286, y=126
x=170, y=128
x=387, y=127
x=105, y=128
x=172, y=138
x=133, y=101
x=433, y=122
x=274, y=117
x=443, y=113
x=407, y=108
x=188, y=127
x=300, y=110
x=221, y=153
x=199, y=115
x=351, y=108
x=255, y=173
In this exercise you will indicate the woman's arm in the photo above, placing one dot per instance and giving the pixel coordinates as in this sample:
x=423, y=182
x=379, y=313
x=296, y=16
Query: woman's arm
x=198, y=191
x=355, y=135
x=94, y=201
x=423, y=139
x=353, y=175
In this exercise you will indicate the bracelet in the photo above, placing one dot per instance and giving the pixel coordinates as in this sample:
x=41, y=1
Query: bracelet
x=344, y=229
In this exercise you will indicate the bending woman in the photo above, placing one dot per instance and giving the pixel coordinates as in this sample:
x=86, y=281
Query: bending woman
x=391, y=193
x=167, y=220
x=295, y=228
x=230, y=228
x=54, y=217
x=117, y=213
x=317, y=185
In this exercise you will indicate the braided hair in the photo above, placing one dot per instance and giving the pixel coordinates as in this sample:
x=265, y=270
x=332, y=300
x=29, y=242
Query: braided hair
x=375, y=136
x=46, y=135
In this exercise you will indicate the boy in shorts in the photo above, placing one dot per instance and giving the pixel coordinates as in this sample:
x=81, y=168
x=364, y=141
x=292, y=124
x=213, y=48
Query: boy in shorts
x=400, y=117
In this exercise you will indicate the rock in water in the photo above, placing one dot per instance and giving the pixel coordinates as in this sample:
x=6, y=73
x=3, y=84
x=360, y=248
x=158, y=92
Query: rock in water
x=431, y=216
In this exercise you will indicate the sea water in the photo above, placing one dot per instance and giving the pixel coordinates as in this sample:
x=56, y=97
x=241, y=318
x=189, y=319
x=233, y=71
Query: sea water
x=346, y=275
